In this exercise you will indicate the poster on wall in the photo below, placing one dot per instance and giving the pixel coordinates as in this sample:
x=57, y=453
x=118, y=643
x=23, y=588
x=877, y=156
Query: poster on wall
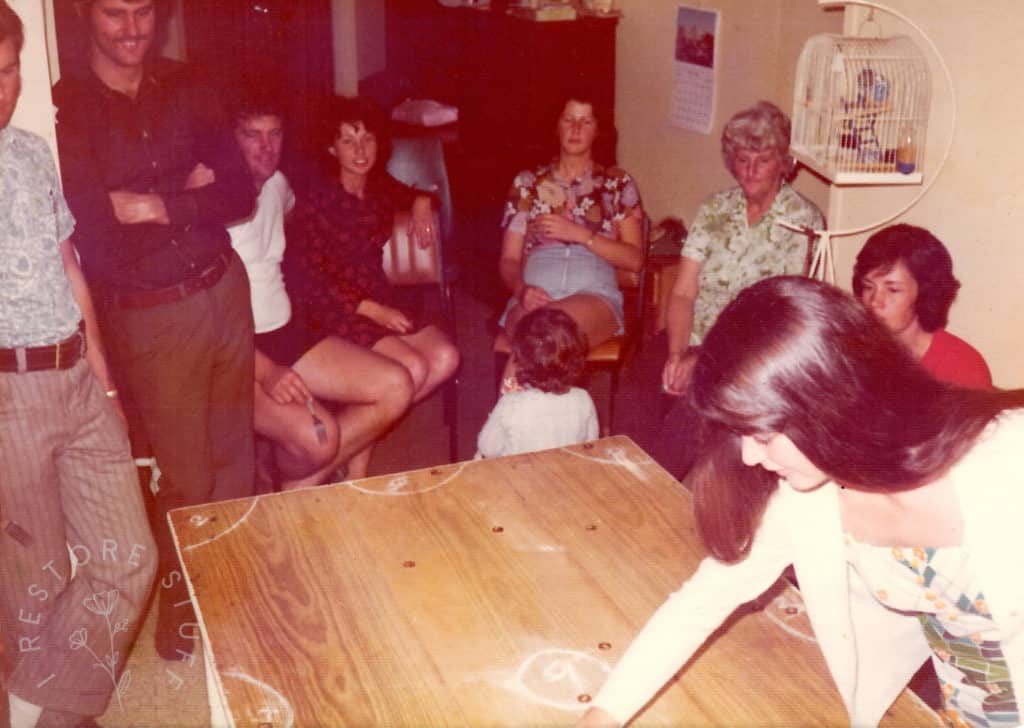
x=693, y=85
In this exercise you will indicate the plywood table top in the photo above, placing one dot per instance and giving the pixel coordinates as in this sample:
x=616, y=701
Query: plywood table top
x=492, y=592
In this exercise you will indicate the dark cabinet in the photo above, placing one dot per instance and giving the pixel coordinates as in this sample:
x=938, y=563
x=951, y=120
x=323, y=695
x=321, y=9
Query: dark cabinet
x=507, y=75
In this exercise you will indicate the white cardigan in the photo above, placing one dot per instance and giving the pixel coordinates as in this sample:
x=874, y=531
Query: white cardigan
x=871, y=651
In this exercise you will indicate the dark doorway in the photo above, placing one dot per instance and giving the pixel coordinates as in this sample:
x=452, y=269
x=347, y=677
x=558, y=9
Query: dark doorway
x=280, y=46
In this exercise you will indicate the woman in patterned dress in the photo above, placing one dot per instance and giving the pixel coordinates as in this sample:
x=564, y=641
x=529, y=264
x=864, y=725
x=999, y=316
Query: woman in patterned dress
x=333, y=263
x=568, y=225
x=895, y=497
x=736, y=239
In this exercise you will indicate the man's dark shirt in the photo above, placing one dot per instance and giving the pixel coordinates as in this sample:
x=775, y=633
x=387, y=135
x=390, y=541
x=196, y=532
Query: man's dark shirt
x=109, y=141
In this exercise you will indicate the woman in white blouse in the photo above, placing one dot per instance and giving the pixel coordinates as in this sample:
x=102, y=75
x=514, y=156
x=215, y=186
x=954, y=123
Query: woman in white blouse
x=895, y=497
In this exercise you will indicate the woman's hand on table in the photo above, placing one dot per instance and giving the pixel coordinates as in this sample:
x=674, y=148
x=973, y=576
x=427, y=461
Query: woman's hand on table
x=386, y=316
x=675, y=377
x=556, y=227
x=597, y=718
x=533, y=297
x=283, y=385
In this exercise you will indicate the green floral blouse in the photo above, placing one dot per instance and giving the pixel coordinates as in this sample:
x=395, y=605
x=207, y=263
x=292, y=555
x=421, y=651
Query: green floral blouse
x=734, y=255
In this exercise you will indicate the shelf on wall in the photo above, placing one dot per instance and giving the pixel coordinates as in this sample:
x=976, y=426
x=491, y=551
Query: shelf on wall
x=870, y=175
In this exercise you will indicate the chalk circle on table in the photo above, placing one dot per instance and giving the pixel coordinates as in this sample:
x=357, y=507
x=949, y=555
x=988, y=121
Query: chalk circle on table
x=402, y=484
x=203, y=530
x=560, y=677
x=272, y=708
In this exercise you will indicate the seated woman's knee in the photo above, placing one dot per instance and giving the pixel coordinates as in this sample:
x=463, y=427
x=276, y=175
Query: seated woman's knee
x=444, y=359
x=418, y=367
x=394, y=385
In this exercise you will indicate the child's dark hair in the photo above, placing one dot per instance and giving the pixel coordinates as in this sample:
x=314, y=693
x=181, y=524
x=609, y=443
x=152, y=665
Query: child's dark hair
x=549, y=351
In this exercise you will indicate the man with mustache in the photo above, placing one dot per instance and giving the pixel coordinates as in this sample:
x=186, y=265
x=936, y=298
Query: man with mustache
x=137, y=134
x=66, y=473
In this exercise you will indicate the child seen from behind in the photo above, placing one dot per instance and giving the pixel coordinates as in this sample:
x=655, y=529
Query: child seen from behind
x=542, y=408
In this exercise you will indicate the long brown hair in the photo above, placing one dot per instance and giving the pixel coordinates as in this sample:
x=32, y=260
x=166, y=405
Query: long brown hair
x=800, y=357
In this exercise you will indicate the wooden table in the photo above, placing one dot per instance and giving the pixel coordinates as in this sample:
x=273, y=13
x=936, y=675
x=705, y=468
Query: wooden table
x=496, y=592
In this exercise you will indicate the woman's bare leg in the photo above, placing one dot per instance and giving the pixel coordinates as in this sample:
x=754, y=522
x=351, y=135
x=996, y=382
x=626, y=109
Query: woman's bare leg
x=358, y=465
x=373, y=390
x=592, y=315
x=299, y=454
x=428, y=355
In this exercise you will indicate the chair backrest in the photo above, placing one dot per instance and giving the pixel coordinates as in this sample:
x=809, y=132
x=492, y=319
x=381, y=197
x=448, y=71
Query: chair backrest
x=407, y=264
x=419, y=162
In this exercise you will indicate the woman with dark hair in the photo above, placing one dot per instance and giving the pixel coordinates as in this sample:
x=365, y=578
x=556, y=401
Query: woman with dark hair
x=334, y=260
x=543, y=408
x=568, y=225
x=904, y=275
x=354, y=394
x=892, y=494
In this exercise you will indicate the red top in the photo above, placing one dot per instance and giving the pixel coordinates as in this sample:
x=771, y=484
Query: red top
x=951, y=359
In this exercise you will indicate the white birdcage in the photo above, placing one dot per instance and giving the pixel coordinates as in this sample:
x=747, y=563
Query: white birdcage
x=860, y=109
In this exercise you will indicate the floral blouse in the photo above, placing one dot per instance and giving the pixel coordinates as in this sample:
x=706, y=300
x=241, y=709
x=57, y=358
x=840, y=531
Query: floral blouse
x=600, y=200
x=734, y=255
x=334, y=253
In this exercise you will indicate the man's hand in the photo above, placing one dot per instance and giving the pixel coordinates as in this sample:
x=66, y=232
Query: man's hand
x=200, y=176
x=284, y=385
x=133, y=208
x=675, y=377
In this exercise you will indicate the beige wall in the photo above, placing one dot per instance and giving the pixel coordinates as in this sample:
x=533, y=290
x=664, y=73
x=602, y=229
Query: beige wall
x=35, y=107
x=758, y=44
x=975, y=205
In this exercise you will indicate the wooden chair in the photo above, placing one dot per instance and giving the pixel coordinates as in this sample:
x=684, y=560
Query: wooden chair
x=613, y=355
x=419, y=162
x=409, y=266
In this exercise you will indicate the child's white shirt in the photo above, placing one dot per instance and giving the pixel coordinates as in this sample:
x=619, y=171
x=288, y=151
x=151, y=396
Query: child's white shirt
x=528, y=420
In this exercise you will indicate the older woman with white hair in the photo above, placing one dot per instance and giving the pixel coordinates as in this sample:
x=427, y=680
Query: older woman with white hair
x=735, y=241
